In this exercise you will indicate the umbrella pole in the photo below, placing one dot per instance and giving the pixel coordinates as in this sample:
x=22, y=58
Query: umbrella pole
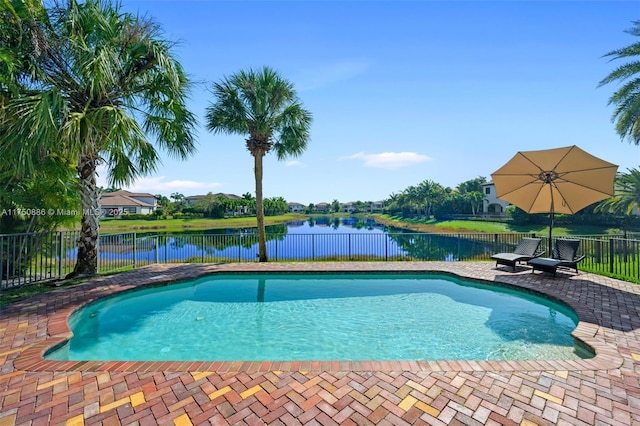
x=549, y=182
x=550, y=232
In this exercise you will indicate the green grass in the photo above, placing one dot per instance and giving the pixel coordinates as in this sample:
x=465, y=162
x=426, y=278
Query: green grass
x=620, y=277
x=435, y=226
x=177, y=225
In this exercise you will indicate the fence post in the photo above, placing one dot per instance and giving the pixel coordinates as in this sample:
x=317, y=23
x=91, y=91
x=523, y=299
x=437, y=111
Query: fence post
x=1, y=259
x=202, y=248
x=611, y=255
x=18, y=255
x=313, y=247
x=386, y=248
x=157, y=249
x=60, y=251
x=135, y=251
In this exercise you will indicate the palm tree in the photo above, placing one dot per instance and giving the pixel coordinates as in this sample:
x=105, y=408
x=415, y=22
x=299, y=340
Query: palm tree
x=265, y=107
x=627, y=98
x=105, y=85
x=413, y=198
x=471, y=193
x=627, y=194
x=430, y=193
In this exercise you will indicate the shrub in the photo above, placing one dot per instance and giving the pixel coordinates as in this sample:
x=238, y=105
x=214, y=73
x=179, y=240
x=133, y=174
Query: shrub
x=137, y=216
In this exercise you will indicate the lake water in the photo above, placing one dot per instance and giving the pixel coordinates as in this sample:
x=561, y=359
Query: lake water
x=339, y=239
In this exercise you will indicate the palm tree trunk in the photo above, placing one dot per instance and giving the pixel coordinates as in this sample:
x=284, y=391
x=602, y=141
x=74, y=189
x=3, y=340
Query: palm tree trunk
x=87, y=262
x=262, y=238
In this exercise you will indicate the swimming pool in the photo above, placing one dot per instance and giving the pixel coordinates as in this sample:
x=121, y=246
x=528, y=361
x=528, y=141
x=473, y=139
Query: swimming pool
x=322, y=317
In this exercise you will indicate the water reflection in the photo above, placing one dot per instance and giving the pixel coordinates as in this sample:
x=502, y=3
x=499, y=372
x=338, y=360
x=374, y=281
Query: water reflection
x=317, y=238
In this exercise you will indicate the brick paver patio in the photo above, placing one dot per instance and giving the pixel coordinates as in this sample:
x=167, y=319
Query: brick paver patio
x=602, y=390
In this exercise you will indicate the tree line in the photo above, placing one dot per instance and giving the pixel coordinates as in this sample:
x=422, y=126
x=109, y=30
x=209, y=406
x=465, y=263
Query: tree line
x=429, y=198
x=217, y=206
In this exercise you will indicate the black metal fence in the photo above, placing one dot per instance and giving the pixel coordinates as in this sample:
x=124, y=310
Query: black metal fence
x=37, y=257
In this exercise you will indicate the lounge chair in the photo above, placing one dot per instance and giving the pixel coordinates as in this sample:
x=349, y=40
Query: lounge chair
x=564, y=255
x=526, y=250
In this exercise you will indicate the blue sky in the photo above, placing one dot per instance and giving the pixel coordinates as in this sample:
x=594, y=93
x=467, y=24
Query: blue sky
x=400, y=91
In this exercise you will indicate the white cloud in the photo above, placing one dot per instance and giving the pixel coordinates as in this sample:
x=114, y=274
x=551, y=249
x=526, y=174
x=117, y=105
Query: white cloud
x=159, y=185
x=295, y=163
x=318, y=77
x=389, y=160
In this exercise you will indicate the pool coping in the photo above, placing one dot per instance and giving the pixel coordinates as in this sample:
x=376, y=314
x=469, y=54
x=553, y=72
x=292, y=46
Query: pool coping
x=62, y=303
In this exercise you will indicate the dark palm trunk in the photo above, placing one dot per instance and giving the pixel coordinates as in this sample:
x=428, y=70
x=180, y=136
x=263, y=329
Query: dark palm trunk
x=262, y=238
x=261, y=289
x=87, y=262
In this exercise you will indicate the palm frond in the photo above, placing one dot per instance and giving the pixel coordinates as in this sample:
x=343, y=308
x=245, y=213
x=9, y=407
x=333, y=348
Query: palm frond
x=627, y=114
x=627, y=194
x=294, y=124
x=622, y=72
x=229, y=114
x=32, y=129
x=627, y=98
x=253, y=102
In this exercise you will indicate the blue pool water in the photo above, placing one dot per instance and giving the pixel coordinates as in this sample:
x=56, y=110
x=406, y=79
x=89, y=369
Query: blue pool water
x=322, y=317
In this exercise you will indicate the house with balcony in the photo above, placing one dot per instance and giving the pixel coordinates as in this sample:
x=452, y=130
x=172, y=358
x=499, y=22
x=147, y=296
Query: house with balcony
x=294, y=207
x=376, y=206
x=492, y=205
x=348, y=207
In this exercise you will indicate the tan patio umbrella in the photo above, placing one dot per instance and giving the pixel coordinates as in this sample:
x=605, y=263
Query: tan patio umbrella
x=558, y=180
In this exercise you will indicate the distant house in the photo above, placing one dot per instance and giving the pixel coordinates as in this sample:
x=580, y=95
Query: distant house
x=192, y=199
x=322, y=207
x=347, y=207
x=377, y=206
x=492, y=204
x=125, y=202
x=295, y=207
x=351, y=207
